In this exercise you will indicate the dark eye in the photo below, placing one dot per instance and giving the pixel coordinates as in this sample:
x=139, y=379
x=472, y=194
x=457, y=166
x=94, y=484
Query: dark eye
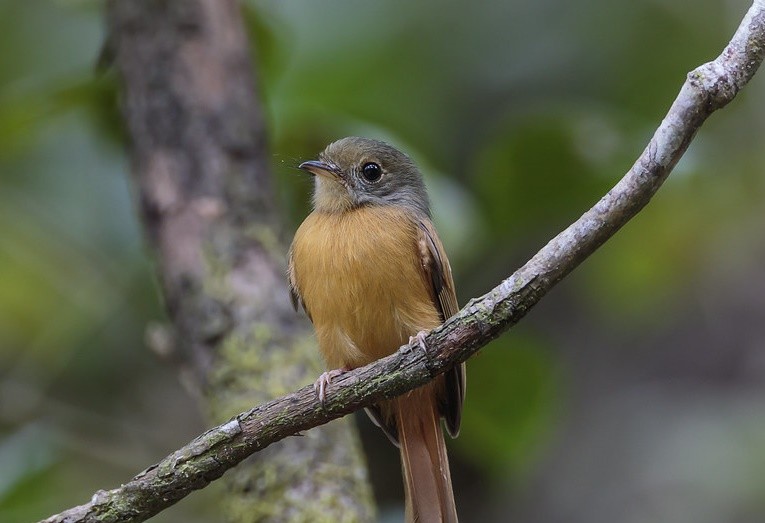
x=371, y=172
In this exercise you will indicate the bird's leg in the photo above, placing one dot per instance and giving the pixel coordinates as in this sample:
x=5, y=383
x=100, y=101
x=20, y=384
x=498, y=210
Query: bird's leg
x=320, y=385
x=420, y=337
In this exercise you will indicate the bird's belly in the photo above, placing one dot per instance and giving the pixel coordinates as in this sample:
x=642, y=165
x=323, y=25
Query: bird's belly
x=360, y=277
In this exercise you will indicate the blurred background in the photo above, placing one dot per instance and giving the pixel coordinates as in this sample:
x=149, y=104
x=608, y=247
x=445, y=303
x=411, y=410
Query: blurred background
x=634, y=392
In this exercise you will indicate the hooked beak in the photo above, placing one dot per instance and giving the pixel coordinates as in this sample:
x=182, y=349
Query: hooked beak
x=321, y=169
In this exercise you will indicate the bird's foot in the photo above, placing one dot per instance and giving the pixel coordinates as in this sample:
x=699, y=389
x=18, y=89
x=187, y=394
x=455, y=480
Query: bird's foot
x=320, y=385
x=420, y=337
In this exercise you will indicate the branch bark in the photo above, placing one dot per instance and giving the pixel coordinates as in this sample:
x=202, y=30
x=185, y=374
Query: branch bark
x=707, y=88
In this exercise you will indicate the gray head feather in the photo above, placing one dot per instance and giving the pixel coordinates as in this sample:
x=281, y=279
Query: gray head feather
x=401, y=183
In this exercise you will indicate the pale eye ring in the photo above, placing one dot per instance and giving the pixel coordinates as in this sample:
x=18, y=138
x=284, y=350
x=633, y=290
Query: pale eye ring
x=371, y=172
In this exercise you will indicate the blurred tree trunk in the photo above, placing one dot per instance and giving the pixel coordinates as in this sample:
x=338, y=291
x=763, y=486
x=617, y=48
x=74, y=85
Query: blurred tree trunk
x=199, y=163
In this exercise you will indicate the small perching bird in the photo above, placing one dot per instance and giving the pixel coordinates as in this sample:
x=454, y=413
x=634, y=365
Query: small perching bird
x=371, y=273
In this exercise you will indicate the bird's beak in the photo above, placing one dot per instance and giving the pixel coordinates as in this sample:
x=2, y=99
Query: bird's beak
x=321, y=169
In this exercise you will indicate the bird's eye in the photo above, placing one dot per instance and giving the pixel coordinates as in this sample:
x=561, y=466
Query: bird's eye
x=371, y=172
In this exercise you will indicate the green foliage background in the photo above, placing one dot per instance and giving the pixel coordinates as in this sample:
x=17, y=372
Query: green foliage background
x=634, y=392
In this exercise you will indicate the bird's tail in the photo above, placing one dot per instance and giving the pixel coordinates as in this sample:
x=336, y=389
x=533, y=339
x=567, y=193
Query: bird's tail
x=427, y=481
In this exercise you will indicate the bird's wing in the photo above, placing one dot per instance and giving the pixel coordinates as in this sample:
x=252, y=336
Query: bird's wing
x=438, y=274
x=295, y=296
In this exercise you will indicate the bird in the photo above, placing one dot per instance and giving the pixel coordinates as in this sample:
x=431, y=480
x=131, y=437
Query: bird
x=371, y=273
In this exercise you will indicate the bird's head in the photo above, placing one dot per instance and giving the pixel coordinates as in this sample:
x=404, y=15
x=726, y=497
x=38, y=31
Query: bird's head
x=353, y=172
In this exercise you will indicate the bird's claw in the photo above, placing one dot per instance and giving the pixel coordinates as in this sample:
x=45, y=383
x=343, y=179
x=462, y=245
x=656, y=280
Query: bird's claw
x=420, y=337
x=320, y=385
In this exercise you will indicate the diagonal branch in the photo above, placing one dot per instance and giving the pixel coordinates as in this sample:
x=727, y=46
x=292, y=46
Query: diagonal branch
x=707, y=88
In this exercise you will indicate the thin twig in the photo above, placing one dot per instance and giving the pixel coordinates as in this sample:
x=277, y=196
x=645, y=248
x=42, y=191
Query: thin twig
x=206, y=458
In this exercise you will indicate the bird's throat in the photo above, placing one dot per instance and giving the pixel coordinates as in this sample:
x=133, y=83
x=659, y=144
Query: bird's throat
x=330, y=196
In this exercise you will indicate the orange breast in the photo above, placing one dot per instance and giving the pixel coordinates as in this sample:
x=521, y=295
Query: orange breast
x=361, y=279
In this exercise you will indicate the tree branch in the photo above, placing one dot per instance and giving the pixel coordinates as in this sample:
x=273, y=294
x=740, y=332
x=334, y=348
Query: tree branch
x=706, y=89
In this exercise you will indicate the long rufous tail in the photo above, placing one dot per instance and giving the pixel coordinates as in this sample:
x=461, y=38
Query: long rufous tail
x=427, y=481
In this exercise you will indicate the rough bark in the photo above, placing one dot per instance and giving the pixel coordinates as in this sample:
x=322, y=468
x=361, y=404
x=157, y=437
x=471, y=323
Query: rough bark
x=706, y=89
x=199, y=163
